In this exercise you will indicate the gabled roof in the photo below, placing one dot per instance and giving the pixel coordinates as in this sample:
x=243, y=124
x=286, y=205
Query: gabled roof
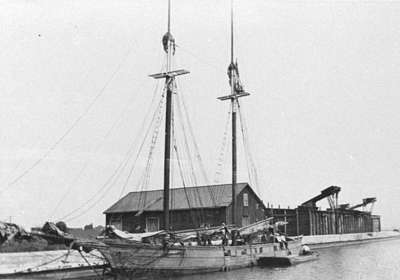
x=198, y=197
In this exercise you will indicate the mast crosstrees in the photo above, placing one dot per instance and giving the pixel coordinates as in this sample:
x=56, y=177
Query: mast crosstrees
x=168, y=42
x=237, y=92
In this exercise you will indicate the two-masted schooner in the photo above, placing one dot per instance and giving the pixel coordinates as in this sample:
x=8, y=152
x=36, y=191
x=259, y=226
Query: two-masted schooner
x=131, y=257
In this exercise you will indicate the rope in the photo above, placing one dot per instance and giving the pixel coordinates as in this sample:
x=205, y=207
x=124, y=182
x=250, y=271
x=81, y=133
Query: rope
x=89, y=264
x=184, y=185
x=74, y=124
x=197, y=151
x=183, y=113
x=42, y=264
x=145, y=137
x=223, y=148
x=122, y=165
x=145, y=178
x=105, y=136
x=191, y=170
x=249, y=158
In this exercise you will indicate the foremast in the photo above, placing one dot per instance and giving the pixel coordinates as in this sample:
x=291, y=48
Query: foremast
x=237, y=91
x=168, y=42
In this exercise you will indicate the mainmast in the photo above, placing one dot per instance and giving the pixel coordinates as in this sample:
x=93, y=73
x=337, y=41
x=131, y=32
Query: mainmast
x=168, y=42
x=237, y=91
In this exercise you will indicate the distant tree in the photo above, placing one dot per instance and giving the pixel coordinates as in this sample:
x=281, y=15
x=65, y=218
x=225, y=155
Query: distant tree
x=62, y=226
x=88, y=227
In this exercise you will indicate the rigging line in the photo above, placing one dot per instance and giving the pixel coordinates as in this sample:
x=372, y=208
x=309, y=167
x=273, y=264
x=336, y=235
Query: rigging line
x=246, y=154
x=197, y=150
x=223, y=148
x=7, y=178
x=149, y=163
x=183, y=182
x=158, y=117
x=86, y=164
x=126, y=158
x=74, y=124
x=247, y=147
x=186, y=144
x=215, y=67
x=122, y=164
x=91, y=206
x=185, y=117
x=224, y=151
x=142, y=144
x=68, y=191
x=111, y=182
x=188, y=154
x=247, y=151
x=153, y=145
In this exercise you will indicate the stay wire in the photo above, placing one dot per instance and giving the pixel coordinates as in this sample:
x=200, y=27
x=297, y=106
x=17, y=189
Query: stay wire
x=183, y=112
x=105, y=136
x=74, y=124
x=142, y=144
x=184, y=185
x=248, y=153
x=222, y=157
x=157, y=118
x=110, y=179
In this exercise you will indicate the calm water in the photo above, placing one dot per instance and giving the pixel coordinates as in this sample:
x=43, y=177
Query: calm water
x=378, y=260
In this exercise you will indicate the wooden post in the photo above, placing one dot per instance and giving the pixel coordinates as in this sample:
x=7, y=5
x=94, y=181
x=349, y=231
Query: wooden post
x=297, y=221
x=284, y=212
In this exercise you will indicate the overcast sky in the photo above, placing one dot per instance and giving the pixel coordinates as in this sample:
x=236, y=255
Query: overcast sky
x=324, y=78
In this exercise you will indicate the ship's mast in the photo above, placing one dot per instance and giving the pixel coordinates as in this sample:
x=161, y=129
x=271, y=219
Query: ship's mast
x=237, y=91
x=169, y=47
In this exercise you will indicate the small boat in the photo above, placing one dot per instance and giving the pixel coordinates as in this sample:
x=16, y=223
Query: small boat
x=288, y=260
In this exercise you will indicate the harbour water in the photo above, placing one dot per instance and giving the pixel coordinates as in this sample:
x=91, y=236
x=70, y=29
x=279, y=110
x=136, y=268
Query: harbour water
x=375, y=260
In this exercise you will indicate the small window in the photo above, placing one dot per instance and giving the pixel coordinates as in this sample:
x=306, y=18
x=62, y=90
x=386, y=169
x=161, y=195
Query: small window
x=245, y=199
x=261, y=250
x=244, y=252
x=256, y=205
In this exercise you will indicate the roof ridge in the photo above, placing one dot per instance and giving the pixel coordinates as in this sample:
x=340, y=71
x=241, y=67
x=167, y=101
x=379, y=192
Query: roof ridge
x=128, y=203
x=202, y=186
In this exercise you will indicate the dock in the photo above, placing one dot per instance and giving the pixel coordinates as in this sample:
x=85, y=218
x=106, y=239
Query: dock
x=51, y=264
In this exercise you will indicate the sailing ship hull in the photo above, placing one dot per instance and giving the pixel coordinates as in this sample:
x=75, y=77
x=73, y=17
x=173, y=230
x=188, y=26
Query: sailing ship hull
x=133, y=259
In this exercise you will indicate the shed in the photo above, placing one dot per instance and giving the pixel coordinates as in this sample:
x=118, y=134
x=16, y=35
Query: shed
x=190, y=207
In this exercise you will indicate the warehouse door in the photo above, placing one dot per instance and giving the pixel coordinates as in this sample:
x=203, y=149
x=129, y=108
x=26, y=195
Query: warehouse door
x=152, y=224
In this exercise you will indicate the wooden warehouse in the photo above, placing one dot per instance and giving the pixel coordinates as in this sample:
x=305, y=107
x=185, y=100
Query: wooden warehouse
x=307, y=219
x=190, y=208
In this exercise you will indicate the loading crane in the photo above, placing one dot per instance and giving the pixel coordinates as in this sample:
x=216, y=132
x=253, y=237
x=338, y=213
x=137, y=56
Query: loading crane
x=331, y=193
x=367, y=204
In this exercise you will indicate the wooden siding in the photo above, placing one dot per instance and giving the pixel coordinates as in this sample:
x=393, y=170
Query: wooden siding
x=310, y=221
x=180, y=219
x=193, y=218
x=254, y=212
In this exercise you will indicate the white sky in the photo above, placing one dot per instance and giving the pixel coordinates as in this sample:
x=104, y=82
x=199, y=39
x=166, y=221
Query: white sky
x=324, y=78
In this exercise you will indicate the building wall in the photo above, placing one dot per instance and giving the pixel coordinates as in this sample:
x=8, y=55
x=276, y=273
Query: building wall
x=193, y=218
x=253, y=212
x=179, y=219
x=376, y=223
x=310, y=221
